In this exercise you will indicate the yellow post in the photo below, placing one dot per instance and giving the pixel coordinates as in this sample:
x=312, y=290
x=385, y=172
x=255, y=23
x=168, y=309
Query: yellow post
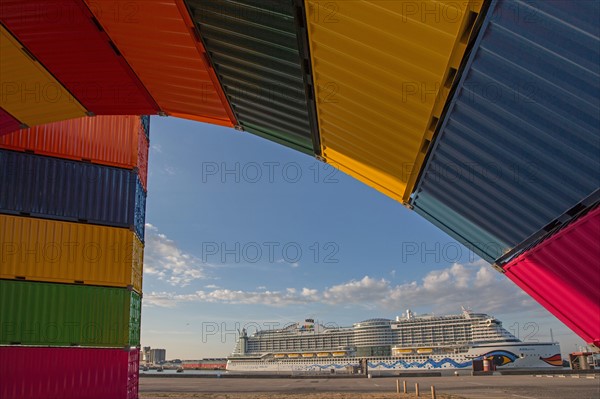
x=433, y=392
x=417, y=389
x=404, y=383
x=397, y=386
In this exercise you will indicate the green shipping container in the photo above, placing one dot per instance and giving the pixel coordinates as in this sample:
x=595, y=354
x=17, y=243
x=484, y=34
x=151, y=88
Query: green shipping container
x=259, y=50
x=48, y=314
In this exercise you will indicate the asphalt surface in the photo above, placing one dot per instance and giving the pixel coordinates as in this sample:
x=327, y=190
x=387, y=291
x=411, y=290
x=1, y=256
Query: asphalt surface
x=479, y=387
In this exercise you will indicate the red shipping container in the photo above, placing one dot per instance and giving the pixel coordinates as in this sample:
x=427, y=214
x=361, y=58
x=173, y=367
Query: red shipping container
x=8, y=124
x=118, y=141
x=66, y=39
x=562, y=273
x=68, y=373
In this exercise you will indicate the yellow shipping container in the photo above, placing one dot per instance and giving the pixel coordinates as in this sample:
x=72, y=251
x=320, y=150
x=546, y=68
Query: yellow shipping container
x=29, y=92
x=383, y=71
x=64, y=252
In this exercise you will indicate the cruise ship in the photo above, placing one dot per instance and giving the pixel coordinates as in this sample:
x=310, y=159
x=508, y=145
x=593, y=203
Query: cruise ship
x=409, y=342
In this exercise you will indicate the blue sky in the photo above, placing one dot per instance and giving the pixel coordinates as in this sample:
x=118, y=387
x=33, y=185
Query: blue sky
x=243, y=232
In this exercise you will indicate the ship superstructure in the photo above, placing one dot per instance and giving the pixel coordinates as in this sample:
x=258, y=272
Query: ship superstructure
x=407, y=342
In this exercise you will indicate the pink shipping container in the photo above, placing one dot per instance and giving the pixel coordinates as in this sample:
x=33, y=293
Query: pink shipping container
x=118, y=141
x=8, y=124
x=68, y=373
x=562, y=274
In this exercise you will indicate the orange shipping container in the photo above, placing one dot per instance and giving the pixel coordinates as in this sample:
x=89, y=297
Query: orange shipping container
x=118, y=141
x=63, y=252
x=160, y=42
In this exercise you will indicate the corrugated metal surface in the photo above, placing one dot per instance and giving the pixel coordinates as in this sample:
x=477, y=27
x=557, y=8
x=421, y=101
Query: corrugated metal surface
x=68, y=373
x=28, y=92
x=382, y=72
x=65, y=315
x=520, y=144
x=259, y=57
x=63, y=252
x=108, y=140
x=63, y=36
x=8, y=124
x=67, y=190
x=146, y=125
x=476, y=239
x=561, y=273
x=158, y=40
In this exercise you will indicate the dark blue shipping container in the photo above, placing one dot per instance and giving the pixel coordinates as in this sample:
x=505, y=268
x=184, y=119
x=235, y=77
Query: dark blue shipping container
x=520, y=142
x=61, y=189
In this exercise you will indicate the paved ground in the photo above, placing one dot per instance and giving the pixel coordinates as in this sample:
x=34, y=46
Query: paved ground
x=481, y=387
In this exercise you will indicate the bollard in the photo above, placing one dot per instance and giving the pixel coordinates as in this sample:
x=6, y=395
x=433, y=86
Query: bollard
x=417, y=389
x=404, y=383
x=397, y=386
x=433, y=392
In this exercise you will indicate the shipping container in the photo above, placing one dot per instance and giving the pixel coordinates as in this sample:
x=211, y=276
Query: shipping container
x=383, y=71
x=118, y=141
x=61, y=189
x=474, y=238
x=520, y=143
x=259, y=52
x=561, y=273
x=64, y=37
x=146, y=125
x=63, y=252
x=29, y=93
x=8, y=123
x=158, y=40
x=68, y=373
x=47, y=314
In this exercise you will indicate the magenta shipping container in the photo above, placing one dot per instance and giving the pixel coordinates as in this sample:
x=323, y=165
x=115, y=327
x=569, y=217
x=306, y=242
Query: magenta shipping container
x=562, y=274
x=8, y=124
x=68, y=373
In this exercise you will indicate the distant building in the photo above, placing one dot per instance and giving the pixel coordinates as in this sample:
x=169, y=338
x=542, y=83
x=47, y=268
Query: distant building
x=154, y=356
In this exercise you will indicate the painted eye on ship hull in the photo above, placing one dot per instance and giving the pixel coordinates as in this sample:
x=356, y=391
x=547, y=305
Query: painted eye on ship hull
x=501, y=360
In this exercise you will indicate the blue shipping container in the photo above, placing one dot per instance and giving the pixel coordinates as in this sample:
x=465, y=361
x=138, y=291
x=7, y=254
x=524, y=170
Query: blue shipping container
x=67, y=190
x=520, y=141
x=146, y=125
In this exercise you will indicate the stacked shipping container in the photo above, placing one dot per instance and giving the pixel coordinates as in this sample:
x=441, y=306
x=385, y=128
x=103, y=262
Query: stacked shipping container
x=383, y=71
x=158, y=39
x=92, y=69
x=561, y=272
x=520, y=143
x=518, y=153
x=261, y=57
x=29, y=92
x=72, y=210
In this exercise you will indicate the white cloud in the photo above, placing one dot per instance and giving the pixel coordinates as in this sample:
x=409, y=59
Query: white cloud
x=294, y=264
x=270, y=298
x=163, y=259
x=362, y=291
x=474, y=285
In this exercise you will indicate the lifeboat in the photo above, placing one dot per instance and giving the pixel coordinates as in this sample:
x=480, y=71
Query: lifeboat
x=279, y=355
x=424, y=350
x=308, y=354
x=339, y=354
x=293, y=355
x=323, y=354
x=402, y=351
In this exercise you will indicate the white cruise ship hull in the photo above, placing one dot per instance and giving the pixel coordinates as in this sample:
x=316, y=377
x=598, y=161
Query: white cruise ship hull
x=506, y=355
